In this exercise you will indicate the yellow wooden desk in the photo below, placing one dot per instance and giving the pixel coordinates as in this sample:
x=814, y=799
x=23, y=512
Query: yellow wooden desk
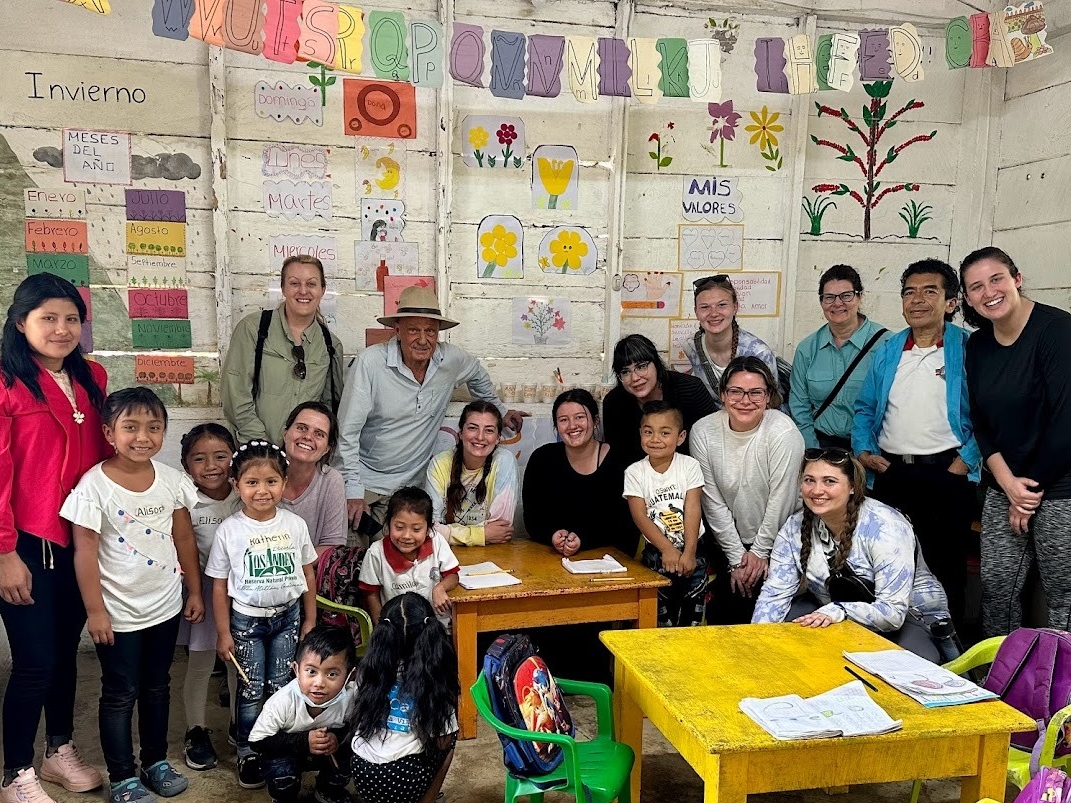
x=689, y=683
x=547, y=595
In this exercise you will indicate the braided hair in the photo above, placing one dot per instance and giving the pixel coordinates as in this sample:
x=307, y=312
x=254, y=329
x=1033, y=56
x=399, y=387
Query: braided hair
x=258, y=451
x=856, y=475
x=455, y=491
x=723, y=282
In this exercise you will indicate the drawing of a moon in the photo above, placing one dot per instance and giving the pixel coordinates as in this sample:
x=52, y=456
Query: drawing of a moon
x=391, y=173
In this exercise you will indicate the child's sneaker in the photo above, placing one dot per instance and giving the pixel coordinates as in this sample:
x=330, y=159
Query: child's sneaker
x=164, y=779
x=67, y=768
x=250, y=772
x=25, y=788
x=199, y=753
x=129, y=791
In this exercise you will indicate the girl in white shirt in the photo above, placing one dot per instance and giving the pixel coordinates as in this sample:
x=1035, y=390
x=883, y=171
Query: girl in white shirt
x=262, y=563
x=133, y=544
x=407, y=693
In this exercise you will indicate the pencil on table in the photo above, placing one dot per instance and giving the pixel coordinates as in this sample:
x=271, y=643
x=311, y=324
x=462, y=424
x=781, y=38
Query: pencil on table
x=494, y=571
x=238, y=666
x=608, y=579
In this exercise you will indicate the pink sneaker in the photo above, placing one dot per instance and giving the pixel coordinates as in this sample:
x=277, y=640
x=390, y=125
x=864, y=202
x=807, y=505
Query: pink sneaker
x=67, y=768
x=25, y=789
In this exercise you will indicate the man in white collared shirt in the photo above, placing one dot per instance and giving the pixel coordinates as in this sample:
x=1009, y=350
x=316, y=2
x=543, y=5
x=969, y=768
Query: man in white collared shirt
x=395, y=398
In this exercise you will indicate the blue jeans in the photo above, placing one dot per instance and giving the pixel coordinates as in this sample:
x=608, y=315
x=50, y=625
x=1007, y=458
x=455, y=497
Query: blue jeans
x=283, y=773
x=44, y=650
x=136, y=670
x=265, y=647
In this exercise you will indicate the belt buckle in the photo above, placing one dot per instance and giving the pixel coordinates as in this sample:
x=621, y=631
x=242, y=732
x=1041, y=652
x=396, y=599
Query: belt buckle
x=908, y=459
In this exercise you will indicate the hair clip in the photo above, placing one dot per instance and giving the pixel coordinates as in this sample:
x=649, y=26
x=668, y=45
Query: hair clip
x=384, y=619
x=427, y=619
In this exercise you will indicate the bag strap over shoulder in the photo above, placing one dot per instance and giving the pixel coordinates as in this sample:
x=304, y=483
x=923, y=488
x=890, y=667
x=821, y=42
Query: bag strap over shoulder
x=848, y=372
x=704, y=361
x=258, y=352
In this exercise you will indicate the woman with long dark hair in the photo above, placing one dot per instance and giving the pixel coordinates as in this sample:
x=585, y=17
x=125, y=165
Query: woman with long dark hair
x=50, y=434
x=473, y=487
x=407, y=696
x=314, y=489
x=1019, y=381
x=845, y=556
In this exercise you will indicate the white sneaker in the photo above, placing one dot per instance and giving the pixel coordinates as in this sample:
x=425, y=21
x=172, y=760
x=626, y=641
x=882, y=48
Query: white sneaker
x=25, y=789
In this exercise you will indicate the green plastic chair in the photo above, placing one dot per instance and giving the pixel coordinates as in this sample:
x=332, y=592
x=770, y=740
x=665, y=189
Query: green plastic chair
x=361, y=615
x=594, y=771
x=982, y=654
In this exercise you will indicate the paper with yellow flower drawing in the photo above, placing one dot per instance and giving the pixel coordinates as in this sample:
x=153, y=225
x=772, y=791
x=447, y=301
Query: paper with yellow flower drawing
x=492, y=141
x=569, y=251
x=499, y=248
x=555, y=177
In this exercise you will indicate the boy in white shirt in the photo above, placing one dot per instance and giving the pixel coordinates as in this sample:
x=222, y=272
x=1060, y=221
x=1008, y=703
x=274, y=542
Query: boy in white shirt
x=664, y=493
x=304, y=725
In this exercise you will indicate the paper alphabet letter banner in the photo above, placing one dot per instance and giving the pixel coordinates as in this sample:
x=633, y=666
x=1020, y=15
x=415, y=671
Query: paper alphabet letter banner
x=467, y=52
x=169, y=205
x=569, y=251
x=283, y=246
x=379, y=108
x=582, y=62
x=704, y=70
x=555, y=177
x=875, y=60
x=386, y=45
x=614, y=71
x=492, y=141
x=96, y=6
x=907, y=52
x=674, y=67
x=377, y=260
x=290, y=199
x=770, y=65
x=72, y=267
x=65, y=203
x=706, y=247
x=281, y=100
x=157, y=271
x=156, y=333
x=207, y=22
x=393, y=286
x=980, y=24
x=646, y=70
x=546, y=55
x=318, y=32
x=541, y=321
x=651, y=295
x=507, y=64
x=243, y=21
x=499, y=248
x=958, y=43
x=171, y=19
x=711, y=198
x=1024, y=31
x=382, y=220
x=281, y=30
x=152, y=369
x=426, y=53
x=350, y=50
x=96, y=157
x=799, y=61
x=843, y=54
x=381, y=168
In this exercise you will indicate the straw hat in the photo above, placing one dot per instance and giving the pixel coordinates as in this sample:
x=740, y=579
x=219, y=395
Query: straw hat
x=418, y=302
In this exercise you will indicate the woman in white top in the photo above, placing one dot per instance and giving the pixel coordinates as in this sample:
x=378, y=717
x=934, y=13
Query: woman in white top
x=314, y=490
x=749, y=453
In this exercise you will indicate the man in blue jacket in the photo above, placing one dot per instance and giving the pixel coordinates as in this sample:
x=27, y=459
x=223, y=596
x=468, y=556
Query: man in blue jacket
x=912, y=426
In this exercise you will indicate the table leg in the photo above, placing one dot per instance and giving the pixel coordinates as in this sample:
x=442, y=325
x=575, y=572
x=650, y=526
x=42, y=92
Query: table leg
x=648, y=613
x=465, y=646
x=725, y=779
x=992, y=777
x=628, y=725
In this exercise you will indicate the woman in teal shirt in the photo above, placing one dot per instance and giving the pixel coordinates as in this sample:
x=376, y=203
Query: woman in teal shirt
x=824, y=357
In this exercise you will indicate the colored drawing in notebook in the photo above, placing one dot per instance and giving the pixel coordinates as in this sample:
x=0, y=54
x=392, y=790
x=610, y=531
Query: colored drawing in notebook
x=382, y=221
x=59, y=203
x=280, y=101
x=569, y=251
x=710, y=247
x=378, y=109
x=500, y=248
x=492, y=141
x=381, y=168
x=375, y=261
x=393, y=286
x=651, y=294
x=555, y=177
x=541, y=321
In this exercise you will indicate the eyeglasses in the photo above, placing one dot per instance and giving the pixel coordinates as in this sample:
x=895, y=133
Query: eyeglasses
x=738, y=394
x=833, y=455
x=828, y=299
x=298, y=353
x=635, y=368
x=700, y=285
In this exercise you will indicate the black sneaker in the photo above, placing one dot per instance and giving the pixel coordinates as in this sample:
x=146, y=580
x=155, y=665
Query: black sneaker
x=250, y=772
x=199, y=753
x=331, y=794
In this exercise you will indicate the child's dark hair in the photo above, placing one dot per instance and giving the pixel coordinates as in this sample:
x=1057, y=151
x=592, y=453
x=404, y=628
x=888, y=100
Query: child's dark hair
x=323, y=641
x=332, y=425
x=455, y=491
x=408, y=635
x=258, y=451
x=16, y=356
x=129, y=400
x=411, y=499
x=662, y=407
x=209, y=430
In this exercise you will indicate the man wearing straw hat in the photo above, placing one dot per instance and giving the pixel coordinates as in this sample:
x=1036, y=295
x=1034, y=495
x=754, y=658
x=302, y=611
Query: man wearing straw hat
x=394, y=401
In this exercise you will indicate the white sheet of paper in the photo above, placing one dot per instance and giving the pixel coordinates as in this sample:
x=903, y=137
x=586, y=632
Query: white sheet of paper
x=603, y=565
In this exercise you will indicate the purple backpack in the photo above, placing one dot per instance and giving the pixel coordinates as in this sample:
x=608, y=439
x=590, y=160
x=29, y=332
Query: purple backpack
x=1032, y=673
x=1050, y=785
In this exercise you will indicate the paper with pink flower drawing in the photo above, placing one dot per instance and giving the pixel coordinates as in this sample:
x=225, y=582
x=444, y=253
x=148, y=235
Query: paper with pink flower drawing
x=555, y=177
x=492, y=141
x=541, y=321
x=569, y=251
x=499, y=248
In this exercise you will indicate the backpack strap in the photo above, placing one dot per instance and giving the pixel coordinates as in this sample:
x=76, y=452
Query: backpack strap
x=335, y=396
x=258, y=351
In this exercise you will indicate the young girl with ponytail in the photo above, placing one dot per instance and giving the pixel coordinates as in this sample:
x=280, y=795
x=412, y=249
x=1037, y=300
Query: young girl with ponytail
x=473, y=487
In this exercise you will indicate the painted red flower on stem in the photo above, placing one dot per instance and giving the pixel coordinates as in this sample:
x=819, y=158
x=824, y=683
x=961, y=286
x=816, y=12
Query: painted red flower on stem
x=506, y=134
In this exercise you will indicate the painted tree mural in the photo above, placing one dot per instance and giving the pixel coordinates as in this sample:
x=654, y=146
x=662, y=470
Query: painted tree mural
x=870, y=163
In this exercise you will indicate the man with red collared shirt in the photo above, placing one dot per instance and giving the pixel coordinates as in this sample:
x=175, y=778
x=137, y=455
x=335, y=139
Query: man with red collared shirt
x=913, y=429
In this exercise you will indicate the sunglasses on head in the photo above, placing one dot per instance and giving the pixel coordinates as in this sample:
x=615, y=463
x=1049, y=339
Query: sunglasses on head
x=702, y=284
x=833, y=455
x=298, y=353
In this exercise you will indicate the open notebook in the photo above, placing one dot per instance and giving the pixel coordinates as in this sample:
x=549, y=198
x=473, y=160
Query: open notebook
x=485, y=575
x=844, y=711
x=603, y=565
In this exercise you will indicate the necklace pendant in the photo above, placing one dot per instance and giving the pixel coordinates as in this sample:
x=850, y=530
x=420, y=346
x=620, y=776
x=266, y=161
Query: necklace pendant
x=78, y=416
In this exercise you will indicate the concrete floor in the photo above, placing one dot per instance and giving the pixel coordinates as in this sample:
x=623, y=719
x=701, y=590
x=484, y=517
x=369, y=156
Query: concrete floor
x=475, y=777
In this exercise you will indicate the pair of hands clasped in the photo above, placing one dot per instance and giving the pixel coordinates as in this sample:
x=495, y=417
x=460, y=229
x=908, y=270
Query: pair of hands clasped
x=747, y=574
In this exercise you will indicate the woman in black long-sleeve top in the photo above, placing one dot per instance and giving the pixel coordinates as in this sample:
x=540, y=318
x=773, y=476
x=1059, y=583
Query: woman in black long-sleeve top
x=643, y=377
x=572, y=489
x=1019, y=380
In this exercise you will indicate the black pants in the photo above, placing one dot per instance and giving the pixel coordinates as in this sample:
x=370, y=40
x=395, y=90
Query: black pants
x=941, y=506
x=283, y=773
x=44, y=650
x=724, y=606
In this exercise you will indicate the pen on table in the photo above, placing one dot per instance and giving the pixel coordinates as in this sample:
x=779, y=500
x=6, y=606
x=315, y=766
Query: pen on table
x=608, y=579
x=492, y=571
x=857, y=676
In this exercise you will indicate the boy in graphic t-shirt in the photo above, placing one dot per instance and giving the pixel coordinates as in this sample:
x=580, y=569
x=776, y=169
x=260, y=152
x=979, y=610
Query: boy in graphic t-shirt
x=664, y=493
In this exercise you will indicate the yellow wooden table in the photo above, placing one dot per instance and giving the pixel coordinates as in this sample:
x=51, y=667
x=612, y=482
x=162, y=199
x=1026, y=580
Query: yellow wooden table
x=689, y=683
x=548, y=595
